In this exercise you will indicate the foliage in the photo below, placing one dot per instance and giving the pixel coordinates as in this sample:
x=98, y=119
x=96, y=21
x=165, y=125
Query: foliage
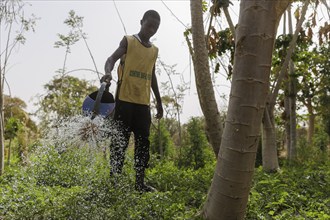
x=66, y=169
x=321, y=138
x=195, y=150
x=64, y=98
x=298, y=192
x=75, y=34
x=173, y=100
x=11, y=128
x=310, y=77
x=13, y=25
x=15, y=108
x=20, y=130
x=221, y=44
x=75, y=184
x=160, y=141
x=16, y=24
x=324, y=95
x=218, y=4
x=75, y=22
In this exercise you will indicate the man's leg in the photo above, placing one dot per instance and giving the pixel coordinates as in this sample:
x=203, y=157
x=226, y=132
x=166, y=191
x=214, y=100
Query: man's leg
x=141, y=129
x=119, y=144
x=120, y=136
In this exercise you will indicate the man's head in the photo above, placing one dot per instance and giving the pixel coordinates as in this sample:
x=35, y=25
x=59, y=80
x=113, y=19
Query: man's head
x=151, y=14
x=150, y=23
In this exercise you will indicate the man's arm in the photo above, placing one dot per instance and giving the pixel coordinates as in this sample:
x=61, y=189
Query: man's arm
x=154, y=86
x=110, y=63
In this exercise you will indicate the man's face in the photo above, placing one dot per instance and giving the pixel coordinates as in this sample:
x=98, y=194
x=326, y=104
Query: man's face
x=149, y=26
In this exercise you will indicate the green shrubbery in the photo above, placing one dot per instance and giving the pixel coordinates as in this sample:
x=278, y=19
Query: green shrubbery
x=76, y=185
x=297, y=192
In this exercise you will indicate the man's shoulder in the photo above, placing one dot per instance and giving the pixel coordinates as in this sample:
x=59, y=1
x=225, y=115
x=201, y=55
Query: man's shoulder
x=129, y=37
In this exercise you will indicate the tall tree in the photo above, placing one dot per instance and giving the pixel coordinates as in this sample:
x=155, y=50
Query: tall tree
x=203, y=79
x=13, y=26
x=255, y=35
x=19, y=124
x=313, y=71
x=269, y=148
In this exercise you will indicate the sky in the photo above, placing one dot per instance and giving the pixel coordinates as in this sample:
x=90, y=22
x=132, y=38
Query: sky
x=35, y=63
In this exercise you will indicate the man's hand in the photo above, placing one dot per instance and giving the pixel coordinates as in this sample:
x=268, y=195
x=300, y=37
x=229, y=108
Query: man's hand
x=106, y=78
x=159, y=114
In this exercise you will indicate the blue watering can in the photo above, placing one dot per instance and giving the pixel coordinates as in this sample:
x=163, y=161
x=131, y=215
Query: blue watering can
x=100, y=103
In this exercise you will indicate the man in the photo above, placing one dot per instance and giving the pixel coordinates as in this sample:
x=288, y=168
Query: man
x=136, y=78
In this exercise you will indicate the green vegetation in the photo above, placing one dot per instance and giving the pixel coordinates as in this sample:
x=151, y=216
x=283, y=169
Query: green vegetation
x=45, y=182
x=300, y=191
x=75, y=184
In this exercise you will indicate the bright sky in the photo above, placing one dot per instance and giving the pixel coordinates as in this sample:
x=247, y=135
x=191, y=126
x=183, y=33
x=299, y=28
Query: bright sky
x=35, y=63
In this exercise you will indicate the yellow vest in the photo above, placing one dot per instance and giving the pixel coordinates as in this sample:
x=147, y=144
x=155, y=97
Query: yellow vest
x=137, y=72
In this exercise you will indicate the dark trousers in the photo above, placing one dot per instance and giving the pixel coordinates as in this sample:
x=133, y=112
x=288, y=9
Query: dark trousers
x=130, y=117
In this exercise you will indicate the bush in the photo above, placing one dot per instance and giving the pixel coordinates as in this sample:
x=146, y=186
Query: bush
x=74, y=167
x=161, y=143
x=195, y=150
x=297, y=192
x=76, y=185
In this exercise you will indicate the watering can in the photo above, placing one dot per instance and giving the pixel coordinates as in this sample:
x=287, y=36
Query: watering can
x=100, y=102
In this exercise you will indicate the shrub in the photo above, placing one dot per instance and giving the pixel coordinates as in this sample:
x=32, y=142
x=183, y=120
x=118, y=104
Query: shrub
x=296, y=192
x=195, y=150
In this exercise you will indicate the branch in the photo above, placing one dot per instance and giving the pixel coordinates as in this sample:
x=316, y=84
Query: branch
x=90, y=52
x=173, y=14
x=175, y=97
x=209, y=28
x=190, y=47
x=327, y=6
x=230, y=22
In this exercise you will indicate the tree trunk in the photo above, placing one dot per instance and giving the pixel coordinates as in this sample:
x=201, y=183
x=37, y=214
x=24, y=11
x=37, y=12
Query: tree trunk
x=255, y=35
x=293, y=113
x=271, y=100
x=293, y=96
x=203, y=77
x=311, y=128
x=286, y=118
x=160, y=144
x=287, y=109
x=9, y=152
x=2, y=126
x=2, y=147
x=269, y=148
x=311, y=122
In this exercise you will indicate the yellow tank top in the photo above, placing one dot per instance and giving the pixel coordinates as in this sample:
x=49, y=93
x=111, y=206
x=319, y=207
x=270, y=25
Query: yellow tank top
x=137, y=72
